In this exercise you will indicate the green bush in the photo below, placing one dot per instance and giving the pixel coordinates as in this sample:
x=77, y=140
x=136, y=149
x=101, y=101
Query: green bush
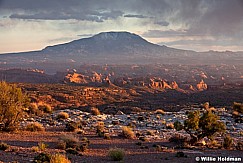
x=72, y=151
x=205, y=125
x=116, y=154
x=178, y=125
x=3, y=146
x=42, y=146
x=42, y=158
x=228, y=142
x=12, y=105
x=239, y=146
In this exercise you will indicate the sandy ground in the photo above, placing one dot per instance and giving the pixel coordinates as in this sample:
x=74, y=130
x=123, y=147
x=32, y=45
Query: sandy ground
x=22, y=142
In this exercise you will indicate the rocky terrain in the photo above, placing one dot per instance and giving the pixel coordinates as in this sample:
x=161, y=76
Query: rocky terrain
x=152, y=143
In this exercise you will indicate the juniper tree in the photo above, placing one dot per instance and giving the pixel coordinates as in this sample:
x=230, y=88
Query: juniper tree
x=12, y=104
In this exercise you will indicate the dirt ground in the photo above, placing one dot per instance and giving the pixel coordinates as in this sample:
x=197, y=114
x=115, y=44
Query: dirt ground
x=22, y=142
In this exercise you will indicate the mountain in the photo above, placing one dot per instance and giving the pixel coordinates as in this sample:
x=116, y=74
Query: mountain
x=109, y=44
x=112, y=48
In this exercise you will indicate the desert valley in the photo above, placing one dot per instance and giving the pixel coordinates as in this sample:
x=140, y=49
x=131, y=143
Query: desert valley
x=109, y=95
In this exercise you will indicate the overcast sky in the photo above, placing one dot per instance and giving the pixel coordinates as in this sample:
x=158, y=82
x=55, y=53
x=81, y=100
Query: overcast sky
x=199, y=25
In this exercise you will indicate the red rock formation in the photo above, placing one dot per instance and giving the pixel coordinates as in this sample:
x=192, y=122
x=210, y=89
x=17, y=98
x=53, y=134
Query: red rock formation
x=174, y=85
x=202, y=86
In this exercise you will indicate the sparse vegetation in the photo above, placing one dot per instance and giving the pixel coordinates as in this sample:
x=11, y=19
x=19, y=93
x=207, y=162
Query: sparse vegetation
x=42, y=146
x=4, y=146
x=170, y=126
x=116, y=154
x=42, y=158
x=33, y=108
x=12, y=105
x=228, y=142
x=59, y=158
x=238, y=107
x=62, y=115
x=100, y=127
x=127, y=132
x=68, y=141
x=107, y=136
x=46, y=108
x=35, y=126
x=199, y=127
x=73, y=126
x=95, y=111
x=239, y=146
x=178, y=138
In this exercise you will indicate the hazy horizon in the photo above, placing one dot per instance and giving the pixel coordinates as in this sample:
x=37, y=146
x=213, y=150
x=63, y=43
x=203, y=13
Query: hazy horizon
x=201, y=25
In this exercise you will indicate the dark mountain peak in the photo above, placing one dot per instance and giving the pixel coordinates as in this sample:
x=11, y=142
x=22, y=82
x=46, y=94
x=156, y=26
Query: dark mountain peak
x=116, y=36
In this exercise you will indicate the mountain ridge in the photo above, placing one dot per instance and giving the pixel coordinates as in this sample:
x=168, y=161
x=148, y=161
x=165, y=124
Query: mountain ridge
x=113, y=48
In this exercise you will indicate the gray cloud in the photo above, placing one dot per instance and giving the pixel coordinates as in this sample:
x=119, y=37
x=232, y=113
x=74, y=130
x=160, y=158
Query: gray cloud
x=219, y=19
x=203, y=42
x=95, y=16
x=135, y=16
x=162, y=23
x=161, y=34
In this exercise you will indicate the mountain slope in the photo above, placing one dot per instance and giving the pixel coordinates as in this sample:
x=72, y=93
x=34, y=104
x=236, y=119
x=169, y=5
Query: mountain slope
x=112, y=48
x=109, y=44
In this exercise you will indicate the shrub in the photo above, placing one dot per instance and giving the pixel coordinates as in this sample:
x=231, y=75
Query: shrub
x=3, y=146
x=35, y=126
x=214, y=144
x=178, y=126
x=239, y=146
x=33, y=108
x=178, y=138
x=73, y=126
x=42, y=158
x=46, y=108
x=170, y=126
x=238, y=107
x=42, y=146
x=72, y=151
x=12, y=105
x=62, y=115
x=206, y=125
x=58, y=158
x=159, y=111
x=107, y=136
x=35, y=149
x=95, y=111
x=127, y=132
x=228, y=142
x=82, y=147
x=100, y=127
x=68, y=141
x=116, y=154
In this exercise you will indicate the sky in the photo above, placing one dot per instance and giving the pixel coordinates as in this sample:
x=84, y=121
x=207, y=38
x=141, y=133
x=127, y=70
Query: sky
x=200, y=25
